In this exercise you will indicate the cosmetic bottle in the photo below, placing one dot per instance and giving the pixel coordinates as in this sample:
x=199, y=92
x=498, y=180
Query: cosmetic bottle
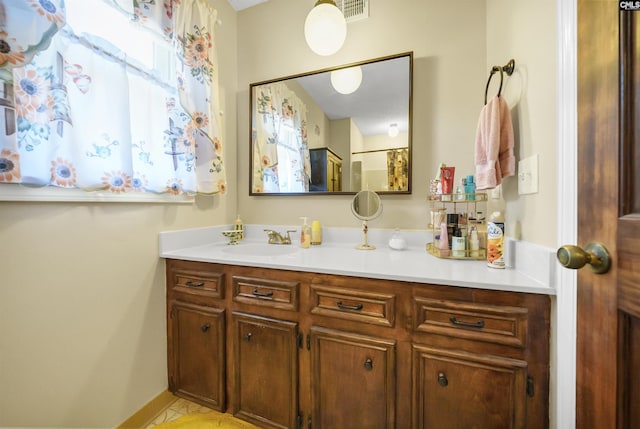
x=474, y=243
x=460, y=190
x=305, y=234
x=459, y=244
x=452, y=224
x=443, y=243
x=470, y=188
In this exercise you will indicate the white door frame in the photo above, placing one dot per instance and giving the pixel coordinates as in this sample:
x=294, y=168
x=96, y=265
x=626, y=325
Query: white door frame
x=564, y=312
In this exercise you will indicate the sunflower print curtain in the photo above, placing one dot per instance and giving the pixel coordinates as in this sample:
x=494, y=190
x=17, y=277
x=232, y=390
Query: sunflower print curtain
x=82, y=118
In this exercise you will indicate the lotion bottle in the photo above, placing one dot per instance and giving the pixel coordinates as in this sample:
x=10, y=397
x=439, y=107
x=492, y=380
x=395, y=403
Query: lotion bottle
x=305, y=234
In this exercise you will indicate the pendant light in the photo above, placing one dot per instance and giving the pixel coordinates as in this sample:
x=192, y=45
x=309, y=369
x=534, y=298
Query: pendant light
x=325, y=28
x=347, y=80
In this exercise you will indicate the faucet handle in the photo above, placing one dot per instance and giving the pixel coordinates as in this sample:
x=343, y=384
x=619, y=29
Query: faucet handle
x=288, y=237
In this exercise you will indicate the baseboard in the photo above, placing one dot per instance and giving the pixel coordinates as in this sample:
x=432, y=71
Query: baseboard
x=144, y=415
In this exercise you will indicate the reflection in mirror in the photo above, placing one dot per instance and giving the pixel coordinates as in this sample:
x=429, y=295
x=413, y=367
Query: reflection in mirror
x=338, y=130
x=366, y=205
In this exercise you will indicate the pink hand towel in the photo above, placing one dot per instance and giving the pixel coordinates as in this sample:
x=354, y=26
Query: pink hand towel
x=494, y=144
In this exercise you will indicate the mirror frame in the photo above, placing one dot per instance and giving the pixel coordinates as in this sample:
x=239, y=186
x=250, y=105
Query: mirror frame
x=408, y=54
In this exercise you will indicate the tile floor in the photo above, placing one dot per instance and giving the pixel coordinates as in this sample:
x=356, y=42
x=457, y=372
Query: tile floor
x=177, y=409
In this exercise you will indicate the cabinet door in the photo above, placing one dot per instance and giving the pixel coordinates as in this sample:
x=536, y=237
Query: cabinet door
x=196, y=343
x=353, y=380
x=266, y=372
x=460, y=390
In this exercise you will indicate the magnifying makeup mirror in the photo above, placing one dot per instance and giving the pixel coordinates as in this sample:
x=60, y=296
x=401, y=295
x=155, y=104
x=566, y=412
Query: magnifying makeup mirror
x=366, y=205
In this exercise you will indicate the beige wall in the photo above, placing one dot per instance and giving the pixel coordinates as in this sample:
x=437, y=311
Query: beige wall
x=82, y=322
x=82, y=306
x=454, y=45
x=449, y=79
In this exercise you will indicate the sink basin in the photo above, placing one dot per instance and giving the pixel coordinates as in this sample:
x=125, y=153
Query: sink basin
x=261, y=249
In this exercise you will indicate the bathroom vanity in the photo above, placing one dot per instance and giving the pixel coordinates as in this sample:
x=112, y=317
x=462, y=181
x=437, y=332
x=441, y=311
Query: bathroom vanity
x=282, y=343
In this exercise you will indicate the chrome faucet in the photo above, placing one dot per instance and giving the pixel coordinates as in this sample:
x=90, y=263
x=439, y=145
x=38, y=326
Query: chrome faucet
x=276, y=238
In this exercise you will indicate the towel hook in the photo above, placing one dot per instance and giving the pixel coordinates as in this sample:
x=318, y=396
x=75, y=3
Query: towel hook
x=507, y=68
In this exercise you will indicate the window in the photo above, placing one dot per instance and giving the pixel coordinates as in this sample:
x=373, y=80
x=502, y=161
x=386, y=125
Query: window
x=115, y=104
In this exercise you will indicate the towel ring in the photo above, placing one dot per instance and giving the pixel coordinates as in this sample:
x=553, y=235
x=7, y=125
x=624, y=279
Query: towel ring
x=508, y=68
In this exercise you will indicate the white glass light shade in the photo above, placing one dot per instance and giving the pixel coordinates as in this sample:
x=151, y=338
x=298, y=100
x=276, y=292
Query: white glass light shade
x=393, y=130
x=348, y=80
x=325, y=29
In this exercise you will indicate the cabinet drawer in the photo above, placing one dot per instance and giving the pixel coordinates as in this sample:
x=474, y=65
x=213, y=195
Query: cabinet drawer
x=352, y=304
x=201, y=283
x=266, y=292
x=494, y=324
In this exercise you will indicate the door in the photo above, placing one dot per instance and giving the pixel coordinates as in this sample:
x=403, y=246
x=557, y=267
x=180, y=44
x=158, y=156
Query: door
x=353, y=382
x=455, y=389
x=608, y=321
x=197, y=354
x=266, y=373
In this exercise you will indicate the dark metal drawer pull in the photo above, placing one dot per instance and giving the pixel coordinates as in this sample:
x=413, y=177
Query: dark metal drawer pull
x=262, y=294
x=190, y=283
x=248, y=336
x=442, y=380
x=205, y=328
x=341, y=306
x=478, y=324
x=368, y=364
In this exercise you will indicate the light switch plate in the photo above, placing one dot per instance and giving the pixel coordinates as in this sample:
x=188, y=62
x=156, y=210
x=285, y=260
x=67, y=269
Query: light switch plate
x=528, y=175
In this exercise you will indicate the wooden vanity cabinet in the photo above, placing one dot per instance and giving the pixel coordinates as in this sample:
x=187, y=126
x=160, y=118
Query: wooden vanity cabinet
x=196, y=334
x=307, y=350
x=479, y=359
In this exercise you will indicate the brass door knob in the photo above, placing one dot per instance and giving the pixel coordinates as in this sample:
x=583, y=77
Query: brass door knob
x=594, y=254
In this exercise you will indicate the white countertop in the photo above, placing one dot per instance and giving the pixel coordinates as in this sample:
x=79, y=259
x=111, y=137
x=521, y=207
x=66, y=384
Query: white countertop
x=531, y=267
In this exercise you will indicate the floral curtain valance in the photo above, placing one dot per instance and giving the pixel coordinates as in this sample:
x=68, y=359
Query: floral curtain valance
x=26, y=27
x=82, y=115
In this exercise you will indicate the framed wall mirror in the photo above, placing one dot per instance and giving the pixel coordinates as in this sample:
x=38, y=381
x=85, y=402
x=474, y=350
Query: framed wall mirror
x=334, y=131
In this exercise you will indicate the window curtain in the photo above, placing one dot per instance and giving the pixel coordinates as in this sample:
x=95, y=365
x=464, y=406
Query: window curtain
x=88, y=117
x=281, y=153
x=26, y=27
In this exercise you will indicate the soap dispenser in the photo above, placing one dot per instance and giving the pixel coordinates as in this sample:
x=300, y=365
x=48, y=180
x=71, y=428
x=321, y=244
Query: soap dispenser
x=305, y=234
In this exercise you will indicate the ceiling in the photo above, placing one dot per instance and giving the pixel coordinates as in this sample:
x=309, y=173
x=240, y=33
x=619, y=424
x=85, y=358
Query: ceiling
x=244, y=4
x=377, y=90
x=381, y=99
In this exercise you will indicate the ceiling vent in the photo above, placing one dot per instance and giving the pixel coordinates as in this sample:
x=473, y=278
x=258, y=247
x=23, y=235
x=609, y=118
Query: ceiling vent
x=353, y=10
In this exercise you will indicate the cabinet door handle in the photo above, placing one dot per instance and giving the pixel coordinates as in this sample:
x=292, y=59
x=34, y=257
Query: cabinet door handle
x=256, y=292
x=478, y=324
x=341, y=306
x=248, y=336
x=205, y=327
x=442, y=380
x=190, y=283
x=368, y=364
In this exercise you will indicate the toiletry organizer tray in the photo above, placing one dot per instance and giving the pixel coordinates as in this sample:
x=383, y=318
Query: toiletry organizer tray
x=471, y=210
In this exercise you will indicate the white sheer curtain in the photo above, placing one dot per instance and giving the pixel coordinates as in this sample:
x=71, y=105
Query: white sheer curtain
x=90, y=116
x=281, y=153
